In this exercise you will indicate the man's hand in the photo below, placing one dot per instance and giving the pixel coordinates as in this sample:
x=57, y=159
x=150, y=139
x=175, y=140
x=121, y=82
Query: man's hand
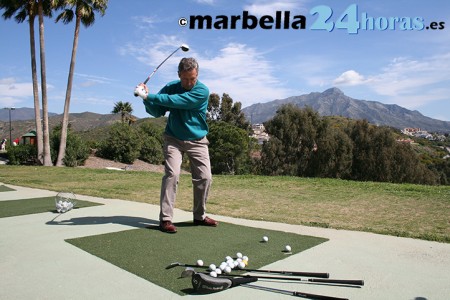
x=141, y=90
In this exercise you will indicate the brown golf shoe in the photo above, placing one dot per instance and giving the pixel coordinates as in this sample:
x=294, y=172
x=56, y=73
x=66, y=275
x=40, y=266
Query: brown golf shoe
x=167, y=226
x=207, y=221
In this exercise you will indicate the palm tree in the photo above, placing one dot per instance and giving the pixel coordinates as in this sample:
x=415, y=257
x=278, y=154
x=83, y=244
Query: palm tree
x=125, y=110
x=44, y=6
x=21, y=10
x=84, y=12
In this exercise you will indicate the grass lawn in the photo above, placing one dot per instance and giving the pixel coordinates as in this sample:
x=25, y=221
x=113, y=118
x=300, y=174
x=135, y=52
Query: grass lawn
x=396, y=209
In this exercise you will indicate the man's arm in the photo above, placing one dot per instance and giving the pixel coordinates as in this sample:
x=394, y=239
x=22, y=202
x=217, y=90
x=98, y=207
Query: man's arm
x=187, y=100
x=154, y=109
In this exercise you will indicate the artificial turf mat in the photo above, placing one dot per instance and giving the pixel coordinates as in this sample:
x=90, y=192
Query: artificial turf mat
x=12, y=208
x=4, y=188
x=146, y=252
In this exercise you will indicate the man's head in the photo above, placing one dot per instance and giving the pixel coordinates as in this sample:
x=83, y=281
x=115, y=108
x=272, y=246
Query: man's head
x=188, y=72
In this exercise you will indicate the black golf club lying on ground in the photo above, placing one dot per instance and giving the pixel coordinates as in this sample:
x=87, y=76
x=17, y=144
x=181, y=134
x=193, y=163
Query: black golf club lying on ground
x=204, y=284
x=189, y=271
x=290, y=273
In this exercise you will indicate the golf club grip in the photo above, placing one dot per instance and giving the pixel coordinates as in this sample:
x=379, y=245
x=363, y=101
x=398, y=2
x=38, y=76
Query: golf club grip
x=338, y=281
x=317, y=297
x=304, y=274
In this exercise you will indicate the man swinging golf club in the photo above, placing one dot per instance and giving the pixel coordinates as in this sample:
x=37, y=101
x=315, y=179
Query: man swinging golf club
x=186, y=100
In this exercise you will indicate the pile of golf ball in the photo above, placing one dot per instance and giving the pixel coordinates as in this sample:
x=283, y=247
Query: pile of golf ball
x=228, y=264
x=64, y=201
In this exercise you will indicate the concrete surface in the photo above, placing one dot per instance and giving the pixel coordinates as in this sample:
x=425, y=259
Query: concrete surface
x=36, y=262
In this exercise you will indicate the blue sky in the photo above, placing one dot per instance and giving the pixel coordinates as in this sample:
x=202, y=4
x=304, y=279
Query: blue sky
x=410, y=68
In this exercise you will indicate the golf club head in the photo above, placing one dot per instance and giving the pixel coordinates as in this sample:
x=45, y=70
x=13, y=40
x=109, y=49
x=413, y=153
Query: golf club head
x=173, y=265
x=184, y=47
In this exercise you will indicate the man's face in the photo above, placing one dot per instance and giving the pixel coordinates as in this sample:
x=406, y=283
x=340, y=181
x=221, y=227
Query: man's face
x=188, y=78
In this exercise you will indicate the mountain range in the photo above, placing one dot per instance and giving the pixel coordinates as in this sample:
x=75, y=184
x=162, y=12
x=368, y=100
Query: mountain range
x=333, y=102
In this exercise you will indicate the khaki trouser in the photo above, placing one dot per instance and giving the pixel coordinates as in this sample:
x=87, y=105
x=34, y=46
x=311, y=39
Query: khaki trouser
x=198, y=154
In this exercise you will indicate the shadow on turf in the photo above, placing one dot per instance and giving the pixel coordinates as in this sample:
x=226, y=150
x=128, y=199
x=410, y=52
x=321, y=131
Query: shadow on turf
x=122, y=220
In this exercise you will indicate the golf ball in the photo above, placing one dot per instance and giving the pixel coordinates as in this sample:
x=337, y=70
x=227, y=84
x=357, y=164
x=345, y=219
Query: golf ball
x=241, y=265
x=200, y=263
x=287, y=248
x=265, y=239
x=212, y=267
x=227, y=270
x=213, y=274
x=228, y=258
x=218, y=271
x=239, y=255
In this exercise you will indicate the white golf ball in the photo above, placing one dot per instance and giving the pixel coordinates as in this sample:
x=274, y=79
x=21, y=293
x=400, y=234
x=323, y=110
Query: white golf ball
x=213, y=274
x=228, y=258
x=212, y=267
x=200, y=263
x=265, y=239
x=287, y=248
x=244, y=258
x=241, y=265
x=218, y=271
x=239, y=255
x=227, y=269
x=230, y=265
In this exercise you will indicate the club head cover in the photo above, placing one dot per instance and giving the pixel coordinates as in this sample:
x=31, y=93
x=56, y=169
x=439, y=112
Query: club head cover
x=203, y=283
x=140, y=91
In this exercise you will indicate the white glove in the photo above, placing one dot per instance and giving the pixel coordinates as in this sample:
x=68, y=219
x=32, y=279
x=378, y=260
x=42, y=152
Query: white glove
x=141, y=92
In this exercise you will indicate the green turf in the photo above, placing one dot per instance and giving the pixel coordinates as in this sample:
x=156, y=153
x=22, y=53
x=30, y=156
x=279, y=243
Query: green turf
x=13, y=208
x=146, y=252
x=4, y=188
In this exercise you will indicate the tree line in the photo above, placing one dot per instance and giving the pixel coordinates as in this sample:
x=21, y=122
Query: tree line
x=302, y=143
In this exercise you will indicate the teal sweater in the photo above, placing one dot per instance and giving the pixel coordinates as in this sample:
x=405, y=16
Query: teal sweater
x=187, y=118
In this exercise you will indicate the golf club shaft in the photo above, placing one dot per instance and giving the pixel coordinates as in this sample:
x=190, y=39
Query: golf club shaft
x=294, y=293
x=154, y=71
x=289, y=273
x=332, y=281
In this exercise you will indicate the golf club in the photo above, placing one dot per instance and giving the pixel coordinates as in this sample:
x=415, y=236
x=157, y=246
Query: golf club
x=290, y=273
x=183, y=47
x=294, y=293
x=190, y=271
x=347, y=282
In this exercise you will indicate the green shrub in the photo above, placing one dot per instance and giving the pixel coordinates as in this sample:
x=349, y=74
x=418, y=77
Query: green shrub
x=123, y=144
x=22, y=155
x=77, y=151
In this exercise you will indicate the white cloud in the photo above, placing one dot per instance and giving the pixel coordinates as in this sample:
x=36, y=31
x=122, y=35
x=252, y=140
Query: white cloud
x=207, y=2
x=410, y=83
x=266, y=7
x=12, y=92
x=243, y=73
x=350, y=77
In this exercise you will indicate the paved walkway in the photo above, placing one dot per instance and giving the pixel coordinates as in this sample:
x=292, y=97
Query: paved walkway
x=36, y=263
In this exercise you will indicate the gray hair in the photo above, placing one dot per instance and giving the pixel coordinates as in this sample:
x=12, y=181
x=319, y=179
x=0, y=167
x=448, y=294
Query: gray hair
x=187, y=64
